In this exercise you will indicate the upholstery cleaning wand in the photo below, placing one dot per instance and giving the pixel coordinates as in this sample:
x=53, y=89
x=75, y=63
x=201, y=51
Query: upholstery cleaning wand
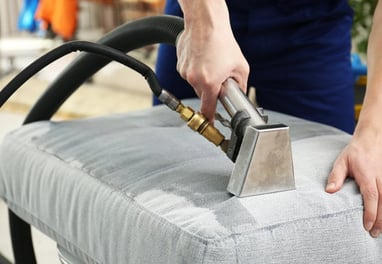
x=261, y=151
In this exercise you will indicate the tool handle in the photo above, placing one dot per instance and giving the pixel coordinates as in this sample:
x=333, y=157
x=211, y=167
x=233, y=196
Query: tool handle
x=234, y=100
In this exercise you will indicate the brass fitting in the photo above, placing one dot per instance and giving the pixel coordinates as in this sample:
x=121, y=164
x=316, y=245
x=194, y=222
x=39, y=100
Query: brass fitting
x=197, y=122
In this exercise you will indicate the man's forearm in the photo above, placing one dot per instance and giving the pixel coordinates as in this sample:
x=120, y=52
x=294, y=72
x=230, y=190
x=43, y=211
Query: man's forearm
x=202, y=14
x=372, y=105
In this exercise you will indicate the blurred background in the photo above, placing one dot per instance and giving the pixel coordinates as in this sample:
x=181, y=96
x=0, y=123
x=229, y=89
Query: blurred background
x=31, y=27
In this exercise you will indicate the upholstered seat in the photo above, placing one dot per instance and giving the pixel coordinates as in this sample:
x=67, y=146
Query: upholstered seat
x=143, y=188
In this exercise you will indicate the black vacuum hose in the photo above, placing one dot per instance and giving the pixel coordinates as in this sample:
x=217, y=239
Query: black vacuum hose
x=130, y=36
x=68, y=47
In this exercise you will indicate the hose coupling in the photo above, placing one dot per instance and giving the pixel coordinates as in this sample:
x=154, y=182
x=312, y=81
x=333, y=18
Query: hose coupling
x=168, y=99
x=197, y=122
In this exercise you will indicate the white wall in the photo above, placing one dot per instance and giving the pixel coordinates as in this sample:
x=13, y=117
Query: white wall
x=9, y=12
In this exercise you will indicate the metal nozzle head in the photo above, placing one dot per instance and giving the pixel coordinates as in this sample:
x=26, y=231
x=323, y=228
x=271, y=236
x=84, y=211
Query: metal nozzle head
x=264, y=163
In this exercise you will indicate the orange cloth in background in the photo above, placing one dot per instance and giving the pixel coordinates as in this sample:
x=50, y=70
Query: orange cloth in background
x=60, y=14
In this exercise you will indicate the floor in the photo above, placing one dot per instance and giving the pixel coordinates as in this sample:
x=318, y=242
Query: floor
x=113, y=89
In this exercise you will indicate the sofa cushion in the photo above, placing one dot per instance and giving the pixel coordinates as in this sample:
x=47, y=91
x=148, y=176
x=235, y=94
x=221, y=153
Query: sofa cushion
x=143, y=188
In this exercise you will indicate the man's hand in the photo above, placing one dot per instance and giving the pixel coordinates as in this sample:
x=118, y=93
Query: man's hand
x=362, y=160
x=208, y=53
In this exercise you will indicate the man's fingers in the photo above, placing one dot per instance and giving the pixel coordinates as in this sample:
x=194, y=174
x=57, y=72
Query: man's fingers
x=370, y=196
x=377, y=227
x=337, y=176
x=208, y=105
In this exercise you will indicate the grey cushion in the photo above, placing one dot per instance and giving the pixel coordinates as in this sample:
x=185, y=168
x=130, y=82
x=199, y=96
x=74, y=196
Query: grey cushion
x=143, y=188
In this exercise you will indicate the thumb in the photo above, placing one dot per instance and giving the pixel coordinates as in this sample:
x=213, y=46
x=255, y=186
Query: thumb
x=337, y=176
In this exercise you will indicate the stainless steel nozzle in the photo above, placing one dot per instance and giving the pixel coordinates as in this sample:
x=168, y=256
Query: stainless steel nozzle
x=261, y=152
x=264, y=163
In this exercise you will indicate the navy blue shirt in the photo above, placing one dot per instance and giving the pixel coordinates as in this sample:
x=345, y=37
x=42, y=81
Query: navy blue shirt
x=299, y=57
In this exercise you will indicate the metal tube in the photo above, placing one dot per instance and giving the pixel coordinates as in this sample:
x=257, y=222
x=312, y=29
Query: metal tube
x=234, y=100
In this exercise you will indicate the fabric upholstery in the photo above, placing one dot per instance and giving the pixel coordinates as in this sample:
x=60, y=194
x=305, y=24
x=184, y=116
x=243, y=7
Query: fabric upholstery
x=143, y=188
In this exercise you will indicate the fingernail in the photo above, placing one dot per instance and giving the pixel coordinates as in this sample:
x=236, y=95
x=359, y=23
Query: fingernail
x=331, y=186
x=375, y=232
x=368, y=226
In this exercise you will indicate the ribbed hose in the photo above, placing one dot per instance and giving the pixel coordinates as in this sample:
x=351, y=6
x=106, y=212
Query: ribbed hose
x=130, y=36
